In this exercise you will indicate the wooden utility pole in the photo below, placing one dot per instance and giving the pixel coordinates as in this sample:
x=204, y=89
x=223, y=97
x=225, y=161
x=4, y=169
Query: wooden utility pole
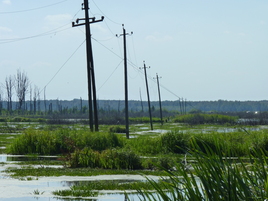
x=149, y=104
x=90, y=66
x=160, y=104
x=126, y=80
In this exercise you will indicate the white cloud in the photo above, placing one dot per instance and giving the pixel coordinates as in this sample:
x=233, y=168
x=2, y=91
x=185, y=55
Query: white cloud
x=52, y=21
x=5, y=30
x=262, y=22
x=241, y=34
x=158, y=37
x=7, y=2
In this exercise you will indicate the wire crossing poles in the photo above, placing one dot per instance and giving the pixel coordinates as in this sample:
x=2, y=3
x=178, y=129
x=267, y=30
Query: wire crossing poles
x=90, y=66
x=160, y=104
x=149, y=105
x=126, y=80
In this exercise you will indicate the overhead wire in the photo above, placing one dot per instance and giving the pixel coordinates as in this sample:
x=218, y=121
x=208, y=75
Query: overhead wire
x=104, y=14
x=63, y=65
x=53, y=31
x=110, y=75
x=31, y=9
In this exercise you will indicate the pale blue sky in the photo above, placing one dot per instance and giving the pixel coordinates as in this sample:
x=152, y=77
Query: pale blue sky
x=203, y=50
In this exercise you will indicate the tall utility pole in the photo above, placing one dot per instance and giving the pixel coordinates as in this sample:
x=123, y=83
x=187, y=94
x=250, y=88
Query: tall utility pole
x=149, y=105
x=160, y=104
x=90, y=66
x=126, y=82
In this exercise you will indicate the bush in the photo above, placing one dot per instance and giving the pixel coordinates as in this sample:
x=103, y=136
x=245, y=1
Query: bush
x=195, y=119
x=174, y=142
x=107, y=159
x=117, y=129
x=62, y=141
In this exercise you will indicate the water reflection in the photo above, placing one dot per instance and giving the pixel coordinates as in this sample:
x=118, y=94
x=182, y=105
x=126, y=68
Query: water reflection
x=117, y=197
x=14, y=158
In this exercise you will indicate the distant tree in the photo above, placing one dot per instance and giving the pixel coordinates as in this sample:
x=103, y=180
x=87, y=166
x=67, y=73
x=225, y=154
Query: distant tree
x=35, y=98
x=45, y=103
x=22, y=84
x=9, y=84
x=1, y=101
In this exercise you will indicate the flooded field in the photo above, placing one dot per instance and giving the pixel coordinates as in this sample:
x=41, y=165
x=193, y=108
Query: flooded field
x=41, y=188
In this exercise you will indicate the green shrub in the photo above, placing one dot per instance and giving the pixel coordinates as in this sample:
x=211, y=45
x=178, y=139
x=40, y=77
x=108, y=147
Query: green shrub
x=62, y=141
x=174, y=142
x=198, y=118
x=117, y=129
x=107, y=159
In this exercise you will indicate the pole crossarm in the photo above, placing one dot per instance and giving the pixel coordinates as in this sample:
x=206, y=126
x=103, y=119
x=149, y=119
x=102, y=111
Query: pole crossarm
x=91, y=21
x=90, y=65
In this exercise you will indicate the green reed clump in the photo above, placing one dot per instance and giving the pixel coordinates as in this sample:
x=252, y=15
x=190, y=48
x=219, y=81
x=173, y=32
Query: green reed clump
x=174, y=142
x=107, y=159
x=214, y=177
x=233, y=143
x=199, y=118
x=92, y=188
x=117, y=129
x=63, y=140
x=145, y=145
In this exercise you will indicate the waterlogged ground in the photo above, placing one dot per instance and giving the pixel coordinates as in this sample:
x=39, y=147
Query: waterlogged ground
x=40, y=188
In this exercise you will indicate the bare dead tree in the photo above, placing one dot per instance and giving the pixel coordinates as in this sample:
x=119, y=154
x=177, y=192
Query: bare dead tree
x=45, y=103
x=21, y=86
x=1, y=100
x=9, y=85
x=35, y=97
x=31, y=104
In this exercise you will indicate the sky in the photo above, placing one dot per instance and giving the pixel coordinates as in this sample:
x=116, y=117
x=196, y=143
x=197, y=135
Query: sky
x=202, y=50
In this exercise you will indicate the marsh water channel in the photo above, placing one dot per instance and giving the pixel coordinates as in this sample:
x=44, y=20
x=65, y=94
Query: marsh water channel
x=42, y=188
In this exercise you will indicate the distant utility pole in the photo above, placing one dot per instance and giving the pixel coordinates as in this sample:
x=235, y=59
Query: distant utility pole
x=160, y=104
x=90, y=66
x=149, y=105
x=126, y=82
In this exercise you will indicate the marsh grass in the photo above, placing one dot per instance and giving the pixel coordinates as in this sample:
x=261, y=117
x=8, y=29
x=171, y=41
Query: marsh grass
x=60, y=141
x=93, y=188
x=28, y=171
x=214, y=177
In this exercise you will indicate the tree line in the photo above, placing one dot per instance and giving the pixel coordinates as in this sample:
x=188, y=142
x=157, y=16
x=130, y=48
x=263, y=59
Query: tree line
x=18, y=96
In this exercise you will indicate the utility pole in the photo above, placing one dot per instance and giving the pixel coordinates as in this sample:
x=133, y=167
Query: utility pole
x=149, y=105
x=90, y=66
x=126, y=81
x=160, y=104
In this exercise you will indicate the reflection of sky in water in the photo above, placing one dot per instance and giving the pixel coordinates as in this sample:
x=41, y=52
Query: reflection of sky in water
x=112, y=197
x=3, y=158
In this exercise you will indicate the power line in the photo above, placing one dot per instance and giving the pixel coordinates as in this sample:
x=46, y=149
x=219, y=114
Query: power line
x=31, y=9
x=53, y=31
x=106, y=17
x=63, y=65
x=110, y=75
x=137, y=69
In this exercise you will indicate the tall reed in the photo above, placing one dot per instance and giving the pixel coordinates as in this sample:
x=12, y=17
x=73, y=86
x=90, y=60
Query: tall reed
x=214, y=177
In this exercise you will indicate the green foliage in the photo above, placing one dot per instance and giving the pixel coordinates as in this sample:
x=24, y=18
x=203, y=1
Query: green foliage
x=143, y=120
x=117, y=129
x=198, y=118
x=174, y=142
x=214, y=178
x=61, y=141
x=107, y=159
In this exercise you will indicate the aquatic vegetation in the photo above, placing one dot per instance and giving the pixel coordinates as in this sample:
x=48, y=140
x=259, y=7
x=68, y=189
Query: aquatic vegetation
x=60, y=141
x=213, y=177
